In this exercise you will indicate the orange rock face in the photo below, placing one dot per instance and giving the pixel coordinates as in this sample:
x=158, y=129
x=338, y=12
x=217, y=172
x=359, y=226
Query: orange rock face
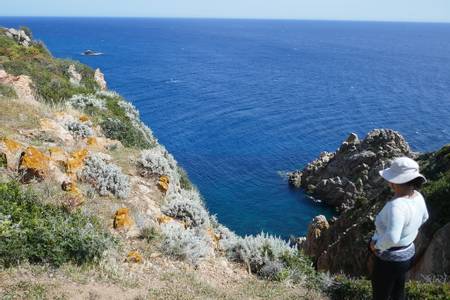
x=163, y=183
x=33, y=165
x=122, y=219
x=163, y=219
x=76, y=161
x=135, y=257
x=91, y=141
x=57, y=154
x=10, y=151
x=84, y=118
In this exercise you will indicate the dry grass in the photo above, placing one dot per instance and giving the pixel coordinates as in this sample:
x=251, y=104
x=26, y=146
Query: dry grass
x=16, y=115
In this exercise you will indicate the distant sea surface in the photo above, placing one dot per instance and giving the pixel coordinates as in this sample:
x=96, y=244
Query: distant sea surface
x=239, y=102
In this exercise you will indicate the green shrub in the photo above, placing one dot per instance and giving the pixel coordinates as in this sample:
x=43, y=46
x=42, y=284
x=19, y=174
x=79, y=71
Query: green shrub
x=436, y=194
x=7, y=91
x=3, y=161
x=49, y=74
x=125, y=132
x=427, y=291
x=360, y=289
x=42, y=233
x=185, y=182
x=150, y=233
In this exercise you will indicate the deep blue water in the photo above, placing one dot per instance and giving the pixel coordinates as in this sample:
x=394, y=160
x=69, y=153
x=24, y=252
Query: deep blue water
x=238, y=101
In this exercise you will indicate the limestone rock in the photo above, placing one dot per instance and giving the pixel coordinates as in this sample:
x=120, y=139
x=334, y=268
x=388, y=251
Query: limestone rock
x=56, y=130
x=22, y=85
x=99, y=77
x=122, y=219
x=33, y=165
x=19, y=36
x=74, y=76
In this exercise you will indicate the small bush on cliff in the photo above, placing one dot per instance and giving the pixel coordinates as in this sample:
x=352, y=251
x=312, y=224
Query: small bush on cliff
x=105, y=177
x=125, y=133
x=191, y=245
x=79, y=129
x=192, y=213
x=7, y=92
x=42, y=233
x=156, y=161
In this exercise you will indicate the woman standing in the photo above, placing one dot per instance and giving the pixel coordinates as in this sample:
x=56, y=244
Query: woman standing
x=397, y=226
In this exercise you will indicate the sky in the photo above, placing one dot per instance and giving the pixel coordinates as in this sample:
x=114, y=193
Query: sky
x=371, y=10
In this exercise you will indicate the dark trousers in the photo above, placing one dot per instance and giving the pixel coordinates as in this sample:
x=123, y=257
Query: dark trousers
x=388, y=279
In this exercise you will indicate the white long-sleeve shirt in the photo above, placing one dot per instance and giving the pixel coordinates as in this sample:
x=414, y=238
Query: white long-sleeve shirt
x=398, y=223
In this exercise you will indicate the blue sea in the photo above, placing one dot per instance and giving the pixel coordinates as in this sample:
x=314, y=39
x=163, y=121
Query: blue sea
x=240, y=102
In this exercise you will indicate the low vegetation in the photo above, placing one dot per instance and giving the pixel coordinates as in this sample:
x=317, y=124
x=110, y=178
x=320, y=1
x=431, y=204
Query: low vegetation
x=42, y=233
x=344, y=288
x=105, y=177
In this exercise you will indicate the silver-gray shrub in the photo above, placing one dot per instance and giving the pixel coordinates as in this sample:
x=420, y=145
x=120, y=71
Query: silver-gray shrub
x=105, y=177
x=191, y=245
x=261, y=250
x=85, y=101
x=157, y=161
x=190, y=211
x=79, y=129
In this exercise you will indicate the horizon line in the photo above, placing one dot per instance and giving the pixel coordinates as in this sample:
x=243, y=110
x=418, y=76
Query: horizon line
x=233, y=18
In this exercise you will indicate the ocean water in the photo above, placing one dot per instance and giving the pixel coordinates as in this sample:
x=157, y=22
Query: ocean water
x=240, y=102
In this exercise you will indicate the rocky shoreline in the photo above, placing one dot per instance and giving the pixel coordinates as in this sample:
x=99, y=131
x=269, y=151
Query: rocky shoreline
x=348, y=180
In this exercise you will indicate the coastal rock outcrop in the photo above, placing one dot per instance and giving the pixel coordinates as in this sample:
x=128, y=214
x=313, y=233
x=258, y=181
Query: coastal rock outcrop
x=74, y=76
x=340, y=178
x=19, y=35
x=99, y=77
x=348, y=179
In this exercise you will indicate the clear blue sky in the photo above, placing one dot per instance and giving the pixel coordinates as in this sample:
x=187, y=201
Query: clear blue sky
x=380, y=10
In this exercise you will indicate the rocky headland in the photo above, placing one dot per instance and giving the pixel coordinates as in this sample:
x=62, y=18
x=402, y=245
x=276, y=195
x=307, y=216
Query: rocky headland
x=348, y=180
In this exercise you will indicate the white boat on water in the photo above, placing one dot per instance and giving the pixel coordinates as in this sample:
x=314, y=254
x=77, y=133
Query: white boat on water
x=91, y=53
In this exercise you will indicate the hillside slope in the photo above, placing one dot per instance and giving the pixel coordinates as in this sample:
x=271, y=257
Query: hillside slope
x=92, y=206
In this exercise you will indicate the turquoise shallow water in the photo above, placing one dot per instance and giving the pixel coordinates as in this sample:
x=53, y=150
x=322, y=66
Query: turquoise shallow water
x=237, y=102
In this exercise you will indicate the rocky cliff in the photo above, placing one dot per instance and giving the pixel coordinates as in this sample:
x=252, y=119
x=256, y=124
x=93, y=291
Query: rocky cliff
x=348, y=180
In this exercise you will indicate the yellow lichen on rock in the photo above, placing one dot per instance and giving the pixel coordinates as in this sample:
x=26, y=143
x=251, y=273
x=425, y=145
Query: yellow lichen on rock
x=76, y=161
x=11, y=145
x=163, y=219
x=11, y=151
x=134, y=257
x=57, y=154
x=56, y=130
x=214, y=237
x=33, y=165
x=83, y=118
x=122, y=219
x=91, y=141
x=163, y=183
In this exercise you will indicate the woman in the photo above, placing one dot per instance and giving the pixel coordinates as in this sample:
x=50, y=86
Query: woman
x=397, y=226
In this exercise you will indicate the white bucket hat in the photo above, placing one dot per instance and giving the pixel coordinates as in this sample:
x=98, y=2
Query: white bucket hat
x=402, y=170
